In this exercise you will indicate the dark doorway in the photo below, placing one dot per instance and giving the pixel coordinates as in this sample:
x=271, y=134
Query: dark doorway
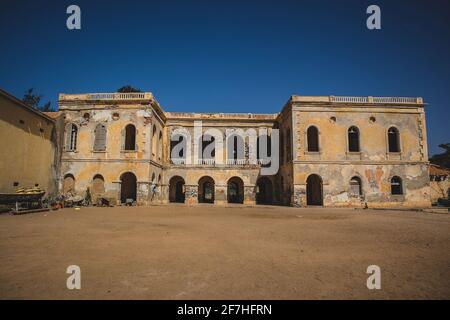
x=314, y=195
x=206, y=190
x=235, y=190
x=264, y=191
x=176, y=189
x=128, y=187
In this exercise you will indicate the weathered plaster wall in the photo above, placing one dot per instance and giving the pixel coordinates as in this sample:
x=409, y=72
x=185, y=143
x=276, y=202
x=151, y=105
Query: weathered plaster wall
x=28, y=149
x=373, y=164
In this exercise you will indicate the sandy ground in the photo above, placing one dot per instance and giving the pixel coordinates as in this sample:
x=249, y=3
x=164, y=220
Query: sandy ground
x=210, y=252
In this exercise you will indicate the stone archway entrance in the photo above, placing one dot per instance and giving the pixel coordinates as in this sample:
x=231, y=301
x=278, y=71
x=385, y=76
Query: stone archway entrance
x=264, y=191
x=206, y=190
x=128, y=187
x=235, y=190
x=176, y=189
x=314, y=190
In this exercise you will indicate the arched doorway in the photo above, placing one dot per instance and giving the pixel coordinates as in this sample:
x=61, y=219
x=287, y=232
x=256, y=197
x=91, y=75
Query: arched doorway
x=69, y=184
x=264, y=191
x=128, y=187
x=206, y=190
x=314, y=196
x=235, y=190
x=98, y=187
x=176, y=189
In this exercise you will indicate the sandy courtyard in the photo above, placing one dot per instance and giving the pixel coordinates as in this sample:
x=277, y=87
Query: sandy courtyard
x=210, y=252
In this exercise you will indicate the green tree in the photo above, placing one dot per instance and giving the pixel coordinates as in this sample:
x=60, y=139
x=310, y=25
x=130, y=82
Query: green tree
x=442, y=159
x=33, y=100
x=127, y=89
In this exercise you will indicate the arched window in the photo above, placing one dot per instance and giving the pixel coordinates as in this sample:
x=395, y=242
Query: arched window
x=154, y=141
x=396, y=185
x=235, y=147
x=100, y=138
x=353, y=139
x=130, y=138
x=71, y=137
x=355, y=186
x=160, y=146
x=207, y=141
x=393, y=140
x=312, y=136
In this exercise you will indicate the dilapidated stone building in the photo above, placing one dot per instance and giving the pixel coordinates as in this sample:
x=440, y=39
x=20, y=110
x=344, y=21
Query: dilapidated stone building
x=333, y=151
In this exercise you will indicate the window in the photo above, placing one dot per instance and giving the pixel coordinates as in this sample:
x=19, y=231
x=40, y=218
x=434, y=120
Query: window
x=130, y=138
x=396, y=186
x=207, y=141
x=393, y=140
x=355, y=186
x=71, y=137
x=312, y=137
x=353, y=139
x=100, y=138
x=160, y=146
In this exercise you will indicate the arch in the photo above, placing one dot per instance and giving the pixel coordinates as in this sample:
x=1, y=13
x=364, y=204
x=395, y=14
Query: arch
x=130, y=137
x=353, y=139
x=312, y=137
x=264, y=188
x=176, y=189
x=393, y=140
x=206, y=190
x=207, y=141
x=69, y=184
x=396, y=185
x=181, y=152
x=71, y=137
x=314, y=190
x=98, y=186
x=356, y=186
x=235, y=147
x=128, y=187
x=235, y=190
x=100, y=137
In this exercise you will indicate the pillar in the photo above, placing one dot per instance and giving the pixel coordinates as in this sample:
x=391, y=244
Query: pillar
x=250, y=195
x=191, y=194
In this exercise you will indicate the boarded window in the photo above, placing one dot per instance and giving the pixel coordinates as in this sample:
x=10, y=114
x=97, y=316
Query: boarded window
x=312, y=135
x=69, y=184
x=288, y=145
x=98, y=185
x=396, y=185
x=393, y=140
x=100, y=138
x=353, y=139
x=355, y=186
x=71, y=137
x=160, y=146
x=130, y=138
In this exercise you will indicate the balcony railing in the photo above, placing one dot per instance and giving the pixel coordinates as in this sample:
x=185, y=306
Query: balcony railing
x=107, y=96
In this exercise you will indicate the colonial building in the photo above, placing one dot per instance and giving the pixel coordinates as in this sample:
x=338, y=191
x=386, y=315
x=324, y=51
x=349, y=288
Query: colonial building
x=332, y=151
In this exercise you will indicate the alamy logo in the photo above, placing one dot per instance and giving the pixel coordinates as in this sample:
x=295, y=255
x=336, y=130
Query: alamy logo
x=74, y=20
x=374, y=20
x=374, y=280
x=234, y=147
x=74, y=280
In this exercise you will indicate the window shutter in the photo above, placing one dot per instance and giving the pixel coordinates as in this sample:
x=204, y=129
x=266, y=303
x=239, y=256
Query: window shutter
x=68, y=132
x=100, y=138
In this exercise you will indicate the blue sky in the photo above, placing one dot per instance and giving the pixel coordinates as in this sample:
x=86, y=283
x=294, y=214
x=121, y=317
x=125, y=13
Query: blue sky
x=232, y=56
